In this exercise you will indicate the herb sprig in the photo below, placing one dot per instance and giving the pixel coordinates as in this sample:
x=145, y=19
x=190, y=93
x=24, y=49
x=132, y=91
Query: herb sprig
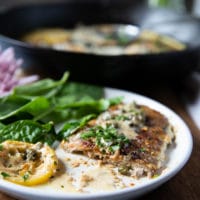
x=5, y=175
x=106, y=138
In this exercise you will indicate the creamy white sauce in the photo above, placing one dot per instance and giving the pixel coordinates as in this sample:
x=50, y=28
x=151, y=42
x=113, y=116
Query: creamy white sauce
x=79, y=174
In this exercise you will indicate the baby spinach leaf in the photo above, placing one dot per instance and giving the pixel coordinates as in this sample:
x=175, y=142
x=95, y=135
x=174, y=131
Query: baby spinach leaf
x=28, y=131
x=11, y=103
x=97, y=105
x=34, y=107
x=1, y=125
x=49, y=100
x=70, y=127
x=80, y=90
x=44, y=87
x=77, y=109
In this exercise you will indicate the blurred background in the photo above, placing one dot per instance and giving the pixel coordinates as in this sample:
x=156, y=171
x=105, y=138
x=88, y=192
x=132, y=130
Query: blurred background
x=191, y=7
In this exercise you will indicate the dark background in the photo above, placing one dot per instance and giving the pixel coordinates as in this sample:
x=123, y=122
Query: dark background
x=4, y=3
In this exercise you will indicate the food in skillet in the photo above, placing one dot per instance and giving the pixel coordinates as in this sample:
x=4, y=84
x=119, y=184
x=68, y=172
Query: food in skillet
x=131, y=137
x=101, y=39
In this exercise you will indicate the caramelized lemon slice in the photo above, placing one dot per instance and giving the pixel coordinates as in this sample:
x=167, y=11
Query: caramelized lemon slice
x=27, y=164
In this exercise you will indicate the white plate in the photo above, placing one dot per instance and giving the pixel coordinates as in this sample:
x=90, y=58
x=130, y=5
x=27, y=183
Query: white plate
x=177, y=159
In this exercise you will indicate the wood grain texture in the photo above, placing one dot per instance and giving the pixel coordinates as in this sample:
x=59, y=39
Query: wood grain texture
x=185, y=185
x=5, y=197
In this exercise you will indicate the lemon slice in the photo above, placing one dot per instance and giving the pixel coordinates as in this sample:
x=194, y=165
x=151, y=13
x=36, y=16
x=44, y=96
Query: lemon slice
x=27, y=164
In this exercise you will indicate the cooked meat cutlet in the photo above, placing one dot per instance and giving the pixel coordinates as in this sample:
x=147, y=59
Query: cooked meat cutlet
x=134, y=138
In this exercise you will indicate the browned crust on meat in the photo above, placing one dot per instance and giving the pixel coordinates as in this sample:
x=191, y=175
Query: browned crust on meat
x=142, y=156
x=154, y=118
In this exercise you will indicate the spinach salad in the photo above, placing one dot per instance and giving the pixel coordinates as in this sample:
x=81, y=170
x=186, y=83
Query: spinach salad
x=31, y=113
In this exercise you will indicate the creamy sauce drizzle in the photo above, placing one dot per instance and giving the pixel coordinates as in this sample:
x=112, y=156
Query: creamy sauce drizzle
x=79, y=174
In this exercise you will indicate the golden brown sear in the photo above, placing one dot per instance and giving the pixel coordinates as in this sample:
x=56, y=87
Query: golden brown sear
x=134, y=138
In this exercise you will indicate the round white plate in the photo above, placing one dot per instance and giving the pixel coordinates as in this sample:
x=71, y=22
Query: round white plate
x=178, y=157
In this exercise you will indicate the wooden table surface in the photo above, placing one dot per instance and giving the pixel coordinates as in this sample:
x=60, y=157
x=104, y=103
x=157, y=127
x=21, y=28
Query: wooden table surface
x=186, y=184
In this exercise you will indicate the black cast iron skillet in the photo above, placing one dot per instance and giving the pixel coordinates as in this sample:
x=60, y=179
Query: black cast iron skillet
x=100, y=69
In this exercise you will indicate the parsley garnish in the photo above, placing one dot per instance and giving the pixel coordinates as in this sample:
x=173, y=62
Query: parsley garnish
x=5, y=175
x=121, y=117
x=142, y=149
x=106, y=138
x=26, y=176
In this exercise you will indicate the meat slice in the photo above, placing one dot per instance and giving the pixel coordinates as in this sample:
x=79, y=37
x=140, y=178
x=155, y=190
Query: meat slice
x=134, y=138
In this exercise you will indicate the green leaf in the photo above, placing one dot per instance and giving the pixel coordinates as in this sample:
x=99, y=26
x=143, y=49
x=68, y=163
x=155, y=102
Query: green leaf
x=11, y=103
x=1, y=125
x=71, y=127
x=28, y=131
x=76, y=110
x=24, y=112
x=80, y=90
x=45, y=87
x=49, y=100
x=11, y=108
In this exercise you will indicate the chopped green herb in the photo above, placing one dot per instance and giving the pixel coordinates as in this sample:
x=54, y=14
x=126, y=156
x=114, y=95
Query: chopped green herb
x=124, y=170
x=114, y=148
x=106, y=138
x=142, y=149
x=62, y=186
x=121, y=117
x=1, y=147
x=115, y=100
x=5, y=175
x=26, y=176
